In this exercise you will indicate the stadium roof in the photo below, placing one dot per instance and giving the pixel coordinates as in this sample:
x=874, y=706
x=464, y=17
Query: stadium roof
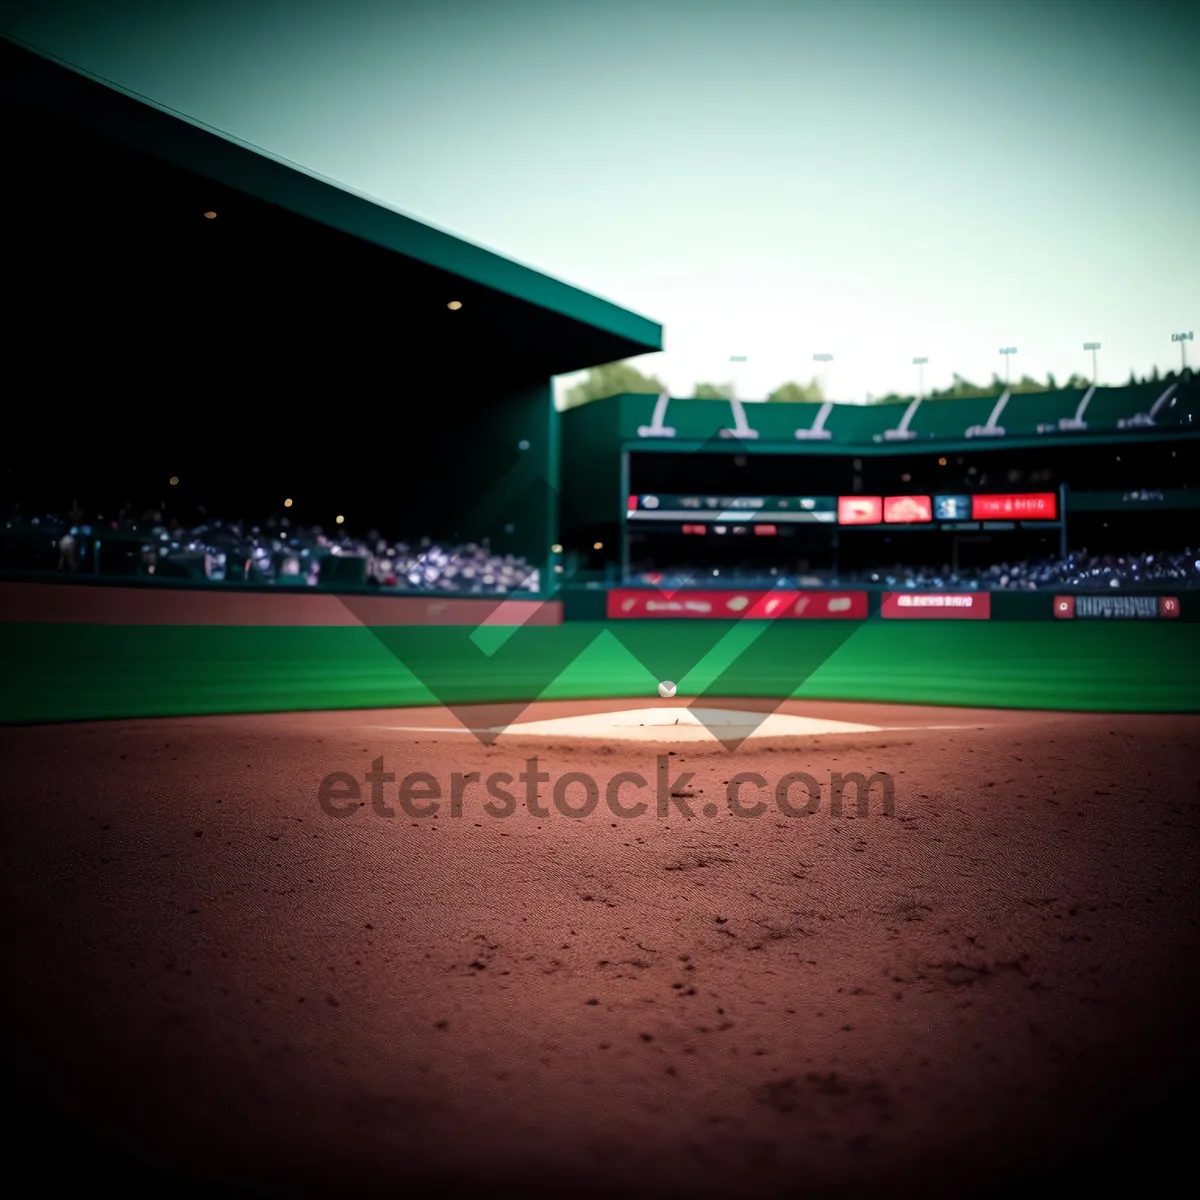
x=86, y=146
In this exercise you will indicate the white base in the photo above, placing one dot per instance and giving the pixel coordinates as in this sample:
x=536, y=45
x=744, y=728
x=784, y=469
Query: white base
x=684, y=725
x=670, y=725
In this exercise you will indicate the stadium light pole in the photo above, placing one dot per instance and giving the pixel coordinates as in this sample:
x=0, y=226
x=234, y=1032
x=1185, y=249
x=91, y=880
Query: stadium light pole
x=919, y=363
x=1182, y=339
x=1008, y=352
x=737, y=375
x=1093, y=347
x=823, y=358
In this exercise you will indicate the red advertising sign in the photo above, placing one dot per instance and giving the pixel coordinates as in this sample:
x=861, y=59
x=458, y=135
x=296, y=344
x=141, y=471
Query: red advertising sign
x=860, y=510
x=1030, y=506
x=826, y=605
x=907, y=510
x=1109, y=607
x=971, y=606
x=1064, y=607
x=776, y=604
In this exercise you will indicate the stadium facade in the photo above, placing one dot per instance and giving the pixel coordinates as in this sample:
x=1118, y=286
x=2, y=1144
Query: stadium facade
x=192, y=307
x=199, y=320
x=709, y=485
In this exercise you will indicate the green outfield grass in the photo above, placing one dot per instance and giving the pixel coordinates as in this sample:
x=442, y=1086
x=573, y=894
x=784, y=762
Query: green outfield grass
x=80, y=672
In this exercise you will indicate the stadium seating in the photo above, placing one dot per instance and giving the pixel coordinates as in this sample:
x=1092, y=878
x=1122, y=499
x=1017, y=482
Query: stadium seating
x=1030, y=414
x=285, y=555
x=949, y=420
x=1182, y=408
x=861, y=424
x=1042, y=412
x=1110, y=407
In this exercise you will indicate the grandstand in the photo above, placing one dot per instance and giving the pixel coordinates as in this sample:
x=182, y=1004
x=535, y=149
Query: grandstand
x=1122, y=464
x=1097, y=412
x=190, y=308
x=232, y=301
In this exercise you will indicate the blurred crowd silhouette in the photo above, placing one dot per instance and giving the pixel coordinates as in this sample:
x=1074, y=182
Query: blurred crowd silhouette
x=1081, y=570
x=152, y=545
x=280, y=552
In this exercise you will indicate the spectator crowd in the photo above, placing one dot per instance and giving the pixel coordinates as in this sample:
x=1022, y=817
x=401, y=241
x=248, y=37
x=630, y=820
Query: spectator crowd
x=279, y=552
x=276, y=552
x=1079, y=570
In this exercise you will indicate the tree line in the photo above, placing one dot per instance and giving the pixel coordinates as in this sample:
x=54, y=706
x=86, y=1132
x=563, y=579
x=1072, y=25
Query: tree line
x=615, y=378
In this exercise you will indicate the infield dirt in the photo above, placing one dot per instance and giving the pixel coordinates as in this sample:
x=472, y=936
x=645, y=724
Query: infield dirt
x=995, y=983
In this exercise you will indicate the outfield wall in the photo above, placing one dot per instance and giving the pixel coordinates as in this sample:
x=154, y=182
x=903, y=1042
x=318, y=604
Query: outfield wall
x=217, y=605
x=79, y=652
x=648, y=603
x=170, y=603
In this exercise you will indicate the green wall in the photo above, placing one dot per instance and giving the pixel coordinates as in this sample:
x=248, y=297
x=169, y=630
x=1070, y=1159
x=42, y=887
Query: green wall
x=602, y=427
x=506, y=471
x=591, y=464
x=82, y=672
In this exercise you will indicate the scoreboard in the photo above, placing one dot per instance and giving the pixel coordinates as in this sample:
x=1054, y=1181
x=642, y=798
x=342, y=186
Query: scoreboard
x=697, y=513
x=948, y=511
x=705, y=510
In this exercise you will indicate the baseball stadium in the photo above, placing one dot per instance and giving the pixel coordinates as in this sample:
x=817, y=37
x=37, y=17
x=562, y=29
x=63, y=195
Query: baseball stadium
x=415, y=788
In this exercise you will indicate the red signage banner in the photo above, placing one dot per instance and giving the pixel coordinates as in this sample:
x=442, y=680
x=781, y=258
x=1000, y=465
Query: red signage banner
x=971, y=606
x=826, y=605
x=907, y=510
x=772, y=605
x=860, y=510
x=1029, y=506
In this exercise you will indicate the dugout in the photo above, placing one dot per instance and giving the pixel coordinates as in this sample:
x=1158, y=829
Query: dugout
x=298, y=343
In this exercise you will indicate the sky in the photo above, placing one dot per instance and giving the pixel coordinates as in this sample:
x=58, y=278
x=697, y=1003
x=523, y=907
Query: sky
x=871, y=179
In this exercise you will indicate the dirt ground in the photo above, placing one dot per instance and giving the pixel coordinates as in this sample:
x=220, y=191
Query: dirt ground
x=210, y=977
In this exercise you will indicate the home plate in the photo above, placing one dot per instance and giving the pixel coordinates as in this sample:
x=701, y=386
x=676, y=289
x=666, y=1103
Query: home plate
x=682, y=725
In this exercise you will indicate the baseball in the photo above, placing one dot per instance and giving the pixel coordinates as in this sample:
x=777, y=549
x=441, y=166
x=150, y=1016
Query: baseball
x=666, y=689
